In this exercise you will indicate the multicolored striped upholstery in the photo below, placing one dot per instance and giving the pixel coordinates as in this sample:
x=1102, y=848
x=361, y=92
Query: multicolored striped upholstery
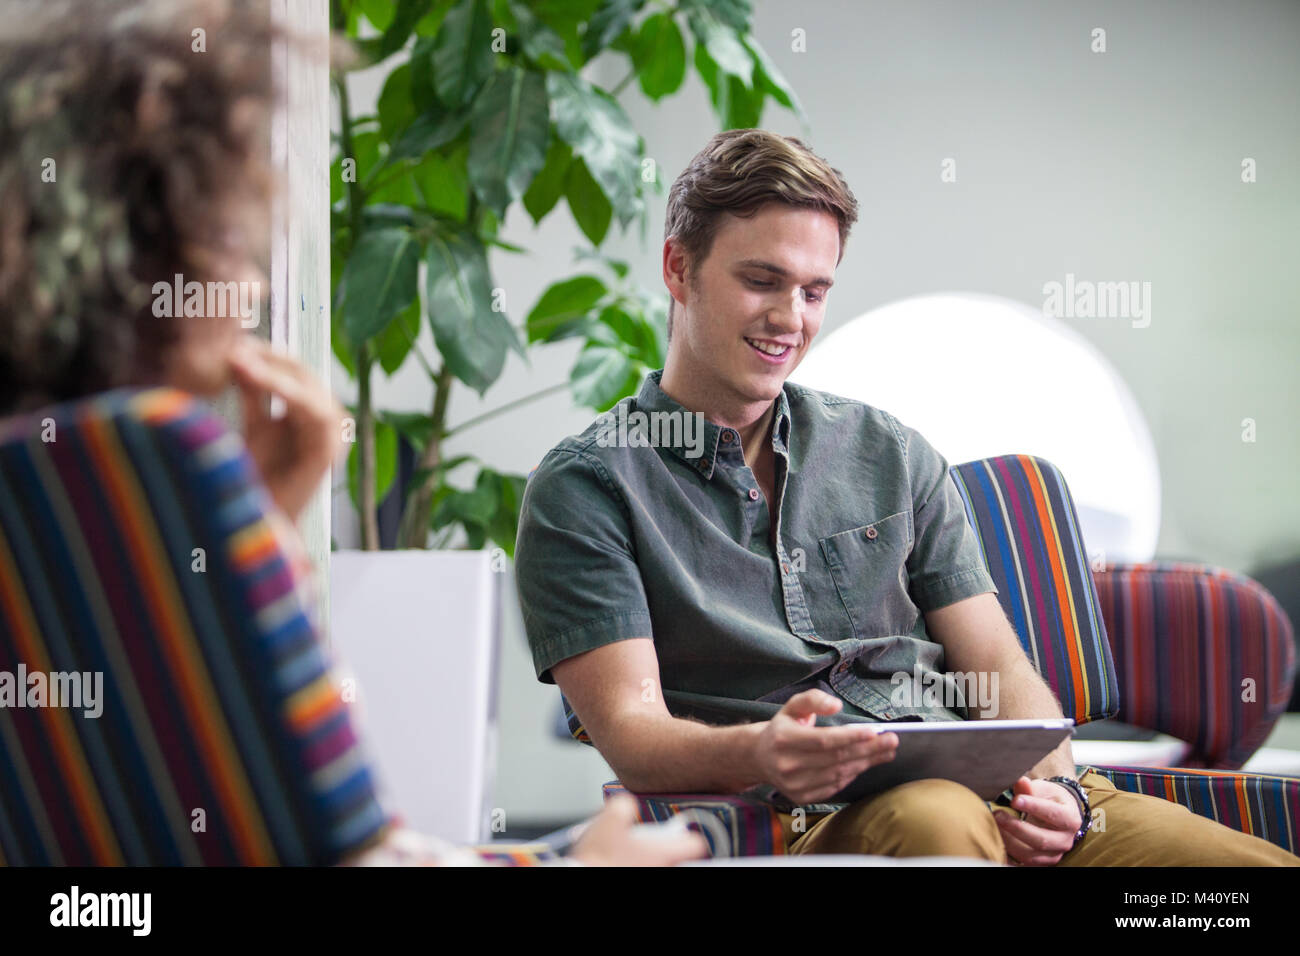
x=1263, y=806
x=1029, y=535
x=134, y=543
x=749, y=826
x=515, y=854
x=1203, y=654
x=1021, y=509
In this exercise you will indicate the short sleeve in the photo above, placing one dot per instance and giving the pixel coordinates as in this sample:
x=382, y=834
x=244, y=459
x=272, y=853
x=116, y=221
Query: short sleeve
x=575, y=564
x=946, y=564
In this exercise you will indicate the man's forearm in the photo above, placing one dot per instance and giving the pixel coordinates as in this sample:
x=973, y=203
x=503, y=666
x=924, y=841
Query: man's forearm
x=672, y=754
x=1022, y=694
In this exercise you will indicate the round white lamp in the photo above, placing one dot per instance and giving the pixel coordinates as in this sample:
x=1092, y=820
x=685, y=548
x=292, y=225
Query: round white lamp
x=979, y=376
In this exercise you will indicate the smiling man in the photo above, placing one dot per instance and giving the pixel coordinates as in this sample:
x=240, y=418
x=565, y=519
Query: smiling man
x=729, y=616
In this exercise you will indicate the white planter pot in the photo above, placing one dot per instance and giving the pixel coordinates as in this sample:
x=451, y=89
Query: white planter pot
x=420, y=633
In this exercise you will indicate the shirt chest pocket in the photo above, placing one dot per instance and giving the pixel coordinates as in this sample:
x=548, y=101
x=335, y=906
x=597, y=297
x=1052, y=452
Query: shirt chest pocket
x=869, y=567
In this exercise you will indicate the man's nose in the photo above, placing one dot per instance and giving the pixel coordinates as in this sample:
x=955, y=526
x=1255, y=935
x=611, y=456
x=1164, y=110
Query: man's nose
x=789, y=314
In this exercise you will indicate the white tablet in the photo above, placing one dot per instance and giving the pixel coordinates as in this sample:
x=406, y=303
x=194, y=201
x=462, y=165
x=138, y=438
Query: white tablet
x=988, y=756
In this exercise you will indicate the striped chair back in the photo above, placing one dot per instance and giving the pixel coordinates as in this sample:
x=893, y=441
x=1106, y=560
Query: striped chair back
x=1206, y=655
x=134, y=550
x=1029, y=534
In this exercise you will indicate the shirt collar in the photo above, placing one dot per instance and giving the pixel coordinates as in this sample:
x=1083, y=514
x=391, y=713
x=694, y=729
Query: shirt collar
x=652, y=398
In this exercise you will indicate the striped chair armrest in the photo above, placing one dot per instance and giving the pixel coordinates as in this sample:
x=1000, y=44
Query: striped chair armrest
x=1264, y=806
x=1203, y=654
x=516, y=854
x=744, y=826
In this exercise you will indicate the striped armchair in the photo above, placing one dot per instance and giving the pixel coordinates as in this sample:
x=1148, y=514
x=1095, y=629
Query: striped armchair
x=135, y=548
x=1202, y=654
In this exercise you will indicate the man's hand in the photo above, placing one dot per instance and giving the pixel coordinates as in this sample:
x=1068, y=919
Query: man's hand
x=1052, y=818
x=808, y=763
x=294, y=452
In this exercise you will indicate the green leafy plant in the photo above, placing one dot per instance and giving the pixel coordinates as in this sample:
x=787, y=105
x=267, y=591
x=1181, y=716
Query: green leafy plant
x=490, y=110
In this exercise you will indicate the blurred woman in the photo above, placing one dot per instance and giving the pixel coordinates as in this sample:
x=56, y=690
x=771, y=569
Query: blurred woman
x=131, y=157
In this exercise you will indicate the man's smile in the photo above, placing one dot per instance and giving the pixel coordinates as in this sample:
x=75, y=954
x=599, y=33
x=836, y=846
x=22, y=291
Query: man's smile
x=769, y=350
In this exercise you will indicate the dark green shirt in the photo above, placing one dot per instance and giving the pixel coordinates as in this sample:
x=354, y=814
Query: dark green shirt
x=635, y=529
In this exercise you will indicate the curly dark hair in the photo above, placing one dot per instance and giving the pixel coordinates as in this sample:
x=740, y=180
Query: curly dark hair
x=136, y=146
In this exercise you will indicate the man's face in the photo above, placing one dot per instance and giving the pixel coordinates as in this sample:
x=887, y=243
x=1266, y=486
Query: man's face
x=756, y=302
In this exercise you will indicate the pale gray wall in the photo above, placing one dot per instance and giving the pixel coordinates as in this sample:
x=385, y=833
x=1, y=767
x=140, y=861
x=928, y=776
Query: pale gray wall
x=1122, y=165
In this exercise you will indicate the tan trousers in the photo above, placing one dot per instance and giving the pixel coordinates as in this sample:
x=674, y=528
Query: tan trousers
x=942, y=818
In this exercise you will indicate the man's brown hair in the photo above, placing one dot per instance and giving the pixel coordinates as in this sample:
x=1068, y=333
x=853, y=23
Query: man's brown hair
x=129, y=155
x=739, y=171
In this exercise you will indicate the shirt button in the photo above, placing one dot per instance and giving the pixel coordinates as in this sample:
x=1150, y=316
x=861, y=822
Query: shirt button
x=753, y=494
x=871, y=531
x=728, y=435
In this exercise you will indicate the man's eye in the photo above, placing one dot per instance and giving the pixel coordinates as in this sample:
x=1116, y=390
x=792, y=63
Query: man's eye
x=759, y=284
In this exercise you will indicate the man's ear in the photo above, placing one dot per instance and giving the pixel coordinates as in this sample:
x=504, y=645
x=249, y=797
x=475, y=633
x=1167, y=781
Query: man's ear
x=676, y=268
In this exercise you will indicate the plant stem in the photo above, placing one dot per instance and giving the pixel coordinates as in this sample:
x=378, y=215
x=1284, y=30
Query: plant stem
x=365, y=406
x=623, y=82
x=374, y=183
x=413, y=530
x=366, y=453
x=469, y=423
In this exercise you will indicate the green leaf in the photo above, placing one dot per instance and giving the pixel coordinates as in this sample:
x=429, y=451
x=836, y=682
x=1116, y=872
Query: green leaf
x=444, y=181
x=769, y=79
x=502, y=244
x=397, y=191
x=602, y=376
x=341, y=347
x=540, y=43
x=565, y=17
x=736, y=105
x=563, y=305
x=548, y=185
x=462, y=54
x=474, y=509
x=559, y=12
x=723, y=44
x=504, y=527
x=472, y=338
x=385, y=464
x=431, y=22
x=734, y=13
x=625, y=328
x=656, y=322
x=378, y=215
x=365, y=150
x=424, y=94
x=403, y=22
x=509, y=127
x=415, y=427
x=378, y=12
x=660, y=56
x=591, y=208
x=392, y=345
x=594, y=124
x=379, y=281
x=606, y=23
x=428, y=132
x=337, y=186
x=744, y=106
x=396, y=111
